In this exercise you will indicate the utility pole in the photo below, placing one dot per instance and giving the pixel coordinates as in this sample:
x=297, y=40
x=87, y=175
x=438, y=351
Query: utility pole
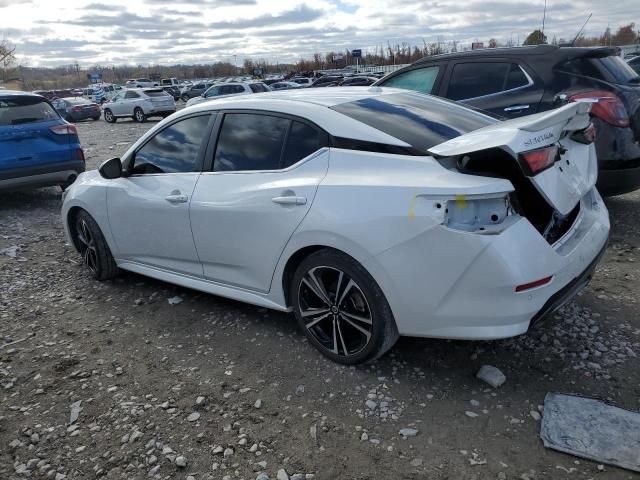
x=544, y=15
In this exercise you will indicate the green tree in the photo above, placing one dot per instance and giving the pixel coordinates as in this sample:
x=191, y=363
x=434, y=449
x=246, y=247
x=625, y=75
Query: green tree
x=536, y=38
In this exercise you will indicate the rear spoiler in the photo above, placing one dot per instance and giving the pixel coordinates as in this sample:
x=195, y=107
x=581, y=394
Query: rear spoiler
x=520, y=134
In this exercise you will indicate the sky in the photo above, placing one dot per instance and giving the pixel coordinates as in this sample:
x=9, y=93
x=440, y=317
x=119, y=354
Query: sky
x=165, y=32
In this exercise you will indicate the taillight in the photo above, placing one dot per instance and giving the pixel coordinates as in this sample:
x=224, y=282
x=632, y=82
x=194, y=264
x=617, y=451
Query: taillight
x=586, y=136
x=608, y=107
x=76, y=109
x=66, y=129
x=537, y=283
x=79, y=154
x=536, y=161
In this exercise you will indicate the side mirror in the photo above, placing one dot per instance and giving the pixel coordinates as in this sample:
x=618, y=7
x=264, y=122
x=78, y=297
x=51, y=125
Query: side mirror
x=111, y=169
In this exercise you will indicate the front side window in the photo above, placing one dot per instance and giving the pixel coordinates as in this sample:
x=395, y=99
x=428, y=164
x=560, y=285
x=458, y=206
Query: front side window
x=174, y=149
x=250, y=141
x=471, y=80
x=212, y=92
x=420, y=80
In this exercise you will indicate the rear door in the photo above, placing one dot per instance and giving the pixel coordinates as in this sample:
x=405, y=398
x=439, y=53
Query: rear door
x=503, y=86
x=26, y=137
x=266, y=170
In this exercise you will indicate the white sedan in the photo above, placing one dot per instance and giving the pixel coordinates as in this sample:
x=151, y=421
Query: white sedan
x=368, y=212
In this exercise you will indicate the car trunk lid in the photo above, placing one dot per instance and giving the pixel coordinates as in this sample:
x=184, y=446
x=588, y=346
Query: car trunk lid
x=574, y=169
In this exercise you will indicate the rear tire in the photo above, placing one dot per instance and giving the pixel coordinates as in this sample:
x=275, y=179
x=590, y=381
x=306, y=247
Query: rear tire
x=185, y=98
x=109, y=117
x=96, y=118
x=341, y=308
x=93, y=247
x=139, y=116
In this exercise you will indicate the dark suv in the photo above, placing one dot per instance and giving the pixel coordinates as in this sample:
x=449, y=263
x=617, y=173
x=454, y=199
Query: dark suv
x=512, y=82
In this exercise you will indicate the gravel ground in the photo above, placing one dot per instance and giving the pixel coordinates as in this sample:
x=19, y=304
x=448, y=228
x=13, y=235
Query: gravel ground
x=111, y=380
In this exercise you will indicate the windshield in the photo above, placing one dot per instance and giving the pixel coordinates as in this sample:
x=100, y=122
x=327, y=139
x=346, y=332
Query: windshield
x=420, y=120
x=21, y=110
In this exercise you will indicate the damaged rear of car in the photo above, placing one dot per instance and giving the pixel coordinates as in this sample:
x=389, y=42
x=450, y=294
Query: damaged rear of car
x=507, y=228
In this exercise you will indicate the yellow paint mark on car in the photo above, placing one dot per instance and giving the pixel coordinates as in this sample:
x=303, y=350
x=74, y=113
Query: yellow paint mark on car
x=461, y=202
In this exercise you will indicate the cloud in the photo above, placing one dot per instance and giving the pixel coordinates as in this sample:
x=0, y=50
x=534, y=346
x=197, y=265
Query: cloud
x=179, y=31
x=300, y=14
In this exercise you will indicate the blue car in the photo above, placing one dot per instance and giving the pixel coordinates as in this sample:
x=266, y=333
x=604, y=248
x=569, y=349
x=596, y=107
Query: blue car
x=37, y=147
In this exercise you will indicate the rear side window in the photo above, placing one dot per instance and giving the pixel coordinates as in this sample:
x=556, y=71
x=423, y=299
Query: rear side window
x=471, y=80
x=18, y=111
x=419, y=80
x=174, y=149
x=131, y=95
x=419, y=120
x=250, y=142
x=258, y=87
x=610, y=69
x=302, y=141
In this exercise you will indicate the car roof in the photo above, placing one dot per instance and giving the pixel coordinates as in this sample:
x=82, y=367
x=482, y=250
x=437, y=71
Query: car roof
x=320, y=97
x=519, y=52
x=17, y=93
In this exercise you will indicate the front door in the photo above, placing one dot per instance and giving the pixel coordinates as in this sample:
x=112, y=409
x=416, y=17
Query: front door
x=244, y=211
x=149, y=208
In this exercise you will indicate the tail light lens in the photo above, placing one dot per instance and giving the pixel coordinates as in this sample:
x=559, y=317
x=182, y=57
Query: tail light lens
x=536, y=161
x=66, y=129
x=80, y=154
x=586, y=136
x=76, y=109
x=608, y=107
x=537, y=283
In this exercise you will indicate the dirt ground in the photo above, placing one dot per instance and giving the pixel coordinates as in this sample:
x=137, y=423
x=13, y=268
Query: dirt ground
x=215, y=389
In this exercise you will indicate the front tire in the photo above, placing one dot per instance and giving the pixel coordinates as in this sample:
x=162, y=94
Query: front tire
x=93, y=247
x=109, y=117
x=139, y=116
x=341, y=308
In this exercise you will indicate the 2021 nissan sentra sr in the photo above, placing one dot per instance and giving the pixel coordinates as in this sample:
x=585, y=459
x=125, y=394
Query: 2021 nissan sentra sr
x=368, y=212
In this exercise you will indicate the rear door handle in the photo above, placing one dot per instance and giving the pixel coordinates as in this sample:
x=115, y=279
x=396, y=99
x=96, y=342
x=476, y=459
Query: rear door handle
x=515, y=108
x=176, y=198
x=289, y=200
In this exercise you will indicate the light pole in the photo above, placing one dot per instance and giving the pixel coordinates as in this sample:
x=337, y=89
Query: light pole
x=235, y=63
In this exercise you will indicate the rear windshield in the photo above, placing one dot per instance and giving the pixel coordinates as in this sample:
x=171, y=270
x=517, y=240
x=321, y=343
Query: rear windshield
x=610, y=69
x=21, y=110
x=78, y=101
x=160, y=93
x=421, y=121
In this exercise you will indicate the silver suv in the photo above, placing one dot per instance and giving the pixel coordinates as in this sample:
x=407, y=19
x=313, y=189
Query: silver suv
x=228, y=90
x=139, y=104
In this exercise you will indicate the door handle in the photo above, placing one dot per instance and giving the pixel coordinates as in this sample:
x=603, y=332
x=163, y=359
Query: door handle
x=176, y=198
x=515, y=108
x=289, y=200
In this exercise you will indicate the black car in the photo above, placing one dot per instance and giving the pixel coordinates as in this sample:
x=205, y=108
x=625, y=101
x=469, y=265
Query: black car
x=75, y=109
x=173, y=91
x=327, y=80
x=358, y=81
x=512, y=82
x=195, y=90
